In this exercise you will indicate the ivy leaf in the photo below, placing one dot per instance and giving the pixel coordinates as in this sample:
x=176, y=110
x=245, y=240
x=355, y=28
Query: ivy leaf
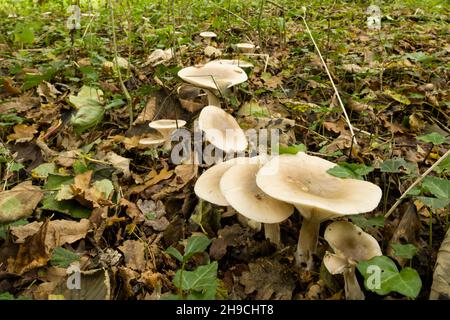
x=63, y=258
x=195, y=244
x=406, y=282
x=175, y=253
x=406, y=251
x=440, y=188
x=434, y=138
x=203, y=278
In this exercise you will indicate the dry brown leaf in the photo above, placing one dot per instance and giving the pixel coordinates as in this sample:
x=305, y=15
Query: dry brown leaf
x=440, y=289
x=148, y=114
x=23, y=133
x=23, y=103
x=9, y=87
x=162, y=175
x=134, y=253
x=19, y=202
x=120, y=163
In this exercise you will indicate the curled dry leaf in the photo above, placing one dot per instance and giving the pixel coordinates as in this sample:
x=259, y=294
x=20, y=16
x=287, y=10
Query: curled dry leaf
x=120, y=163
x=19, y=202
x=440, y=289
x=230, y=236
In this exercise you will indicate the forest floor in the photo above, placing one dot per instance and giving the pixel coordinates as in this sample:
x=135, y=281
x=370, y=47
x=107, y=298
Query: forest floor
x=80, y=191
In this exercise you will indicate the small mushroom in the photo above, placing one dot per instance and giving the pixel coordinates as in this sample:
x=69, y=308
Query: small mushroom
x=166, y=127
x=208, y=36
x=303, y=181
x=351, y=245
x=246, y=47
x=215, y=78
x=222, y=130
x=238, y=186
x=151, y=142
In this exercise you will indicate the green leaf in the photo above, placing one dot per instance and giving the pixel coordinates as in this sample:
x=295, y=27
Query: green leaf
x=69, y=207
x=406, y=282
x=175, y=253
x=350, y=170
x=9, y=296
x=63, y=258
x=439, y=187
x=434, y=203
x=406, y=251
x=4, y=227
x=104, y=186
x=87, y=96
x=444, y=166
x=202, y=278
x=365, y=223
x=14, y=167
x=434, y=138
x=195, y=244
x=55, y=181
x=393, y=165
x=397, y=97
x=42, y=171
x=294, y=149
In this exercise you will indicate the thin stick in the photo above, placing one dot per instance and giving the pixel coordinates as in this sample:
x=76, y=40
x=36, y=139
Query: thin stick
x=332, y=82
x=397, y=203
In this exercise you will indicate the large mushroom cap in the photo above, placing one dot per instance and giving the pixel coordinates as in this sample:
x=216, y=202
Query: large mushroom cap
x=213, y=76
x=234, y=62
x=350, y=241
x=207, y=186
x=221, y=129
x=303, y=181
x=246, y=47
x=238, y=186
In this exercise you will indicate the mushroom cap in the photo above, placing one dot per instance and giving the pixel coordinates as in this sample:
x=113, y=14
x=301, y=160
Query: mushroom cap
x=214, y=76
x=238, y=186
x=245, y=46
x=233, y=62
x=221, y=129
x=167, y=124
x=208, y=34
x=350, y=241
x=151, y=142
x=207, y=186
x=303, y=181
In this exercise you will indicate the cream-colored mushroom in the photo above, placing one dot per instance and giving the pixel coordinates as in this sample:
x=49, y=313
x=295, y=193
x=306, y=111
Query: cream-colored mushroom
x=234, y=62
x=351, y=245
x=222, y=130
x=216, y=78
x=238, y=186
x=208, y=36
x=303, y=181
x=151, y=142
x=246, y=47
x=166, y=127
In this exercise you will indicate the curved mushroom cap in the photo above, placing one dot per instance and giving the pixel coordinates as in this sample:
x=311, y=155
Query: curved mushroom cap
x=351, y=242
x=207, y=186
x=303, y=181
x=213, y=76
x=238, y=186
x=167, y=124
x=221, y=129
x=246, y=47
x=234, y=62
x=151, y=142
x=208, y=34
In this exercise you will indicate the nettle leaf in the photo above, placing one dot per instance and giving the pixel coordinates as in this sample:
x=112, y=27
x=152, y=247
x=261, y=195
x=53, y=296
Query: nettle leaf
x=365, y=223
x=434, y=138
x=393, y=165
x=350, y=170
x=203, y=278
x=195, y=244
x=63, y=258
x=382, y=277
x=294, y=149
x=406, y=251
x=439, y=187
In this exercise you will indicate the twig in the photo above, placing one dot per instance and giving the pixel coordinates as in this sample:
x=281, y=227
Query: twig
x=415, y=183
x=331, y=80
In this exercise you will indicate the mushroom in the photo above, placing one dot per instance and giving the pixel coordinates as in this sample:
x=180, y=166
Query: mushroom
x=234, y=62
x=246, y=47
x=166, y=127
x=238, y=186
x=207, y=186
x=215, y=78
x=208, y=36
x=303, y=181
x=351, y=245
x=222, y=130
x=151, y=142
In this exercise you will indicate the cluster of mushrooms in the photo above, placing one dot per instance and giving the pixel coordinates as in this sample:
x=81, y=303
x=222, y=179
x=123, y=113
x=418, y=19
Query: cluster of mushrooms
x=266, y=189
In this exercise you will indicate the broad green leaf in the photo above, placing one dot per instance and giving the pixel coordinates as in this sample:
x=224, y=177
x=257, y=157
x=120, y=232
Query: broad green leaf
x=202, y=278
x=195, y=244
x=42, y=171
x=87, y=96
x=55, y=181
x=434, y=203
x=406, y=251
x=350, y=170
x=393, y=165
x=407, y=283
x=444, y=166
x=434, y=138
x=365, y=223
x=69, y=207
x=175, y=253
x=294, y=149
x=439, y=187
x=63, y=258
x=87, y=117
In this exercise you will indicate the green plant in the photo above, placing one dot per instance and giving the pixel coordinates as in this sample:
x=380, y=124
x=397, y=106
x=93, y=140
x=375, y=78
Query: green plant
x=201, y=283
x=350, y=170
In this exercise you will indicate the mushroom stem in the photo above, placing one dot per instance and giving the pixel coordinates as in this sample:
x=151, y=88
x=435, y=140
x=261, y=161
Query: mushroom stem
x=307, y=241
x=272, y=233
x=213, y=100
x=352, y=289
